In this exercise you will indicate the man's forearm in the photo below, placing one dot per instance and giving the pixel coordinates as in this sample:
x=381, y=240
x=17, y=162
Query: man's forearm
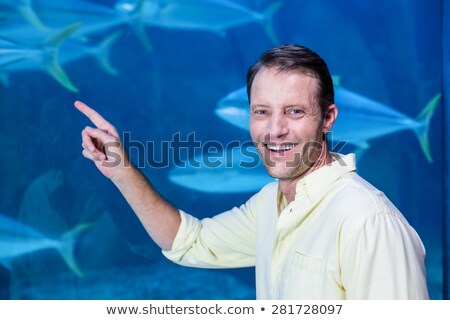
x=159, y=218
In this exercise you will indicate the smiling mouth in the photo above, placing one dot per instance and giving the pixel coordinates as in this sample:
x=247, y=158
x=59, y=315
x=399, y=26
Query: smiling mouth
x=280, y=149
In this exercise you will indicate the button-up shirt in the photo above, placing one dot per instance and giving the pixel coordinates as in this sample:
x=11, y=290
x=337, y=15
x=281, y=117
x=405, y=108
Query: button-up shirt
x=340, y=238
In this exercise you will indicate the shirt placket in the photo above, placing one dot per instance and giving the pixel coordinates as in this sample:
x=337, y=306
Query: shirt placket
x=287, y=222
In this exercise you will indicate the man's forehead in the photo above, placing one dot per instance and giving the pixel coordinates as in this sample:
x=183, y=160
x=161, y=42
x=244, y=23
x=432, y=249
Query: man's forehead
x=300, y=76
x=296, y=70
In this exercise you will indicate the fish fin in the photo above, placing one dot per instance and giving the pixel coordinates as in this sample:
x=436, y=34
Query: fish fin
x=422, y=131
x=103, y=52
x=139, y=27
x=59, y=75
x=268, y=20
x=56, y=39
x=52, y=64
x=67, y=248
x=28, y=13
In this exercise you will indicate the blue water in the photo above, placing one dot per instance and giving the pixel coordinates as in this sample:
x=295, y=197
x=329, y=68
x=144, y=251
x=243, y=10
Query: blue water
x=388, y=51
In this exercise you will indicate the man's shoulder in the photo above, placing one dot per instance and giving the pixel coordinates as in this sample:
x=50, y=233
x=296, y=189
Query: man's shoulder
x=355, y=196
x=267, y=195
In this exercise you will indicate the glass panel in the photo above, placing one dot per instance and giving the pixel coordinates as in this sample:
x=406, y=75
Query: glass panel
x=160, y=82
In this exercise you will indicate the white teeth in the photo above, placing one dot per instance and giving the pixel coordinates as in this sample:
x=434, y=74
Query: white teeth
x=283, y=147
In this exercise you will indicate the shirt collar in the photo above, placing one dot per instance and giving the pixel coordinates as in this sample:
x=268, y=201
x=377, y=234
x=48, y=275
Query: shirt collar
x=316, y=181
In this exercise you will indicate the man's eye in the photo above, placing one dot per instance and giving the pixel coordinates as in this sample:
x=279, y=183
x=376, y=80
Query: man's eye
x=260, y=112
x=296, y=112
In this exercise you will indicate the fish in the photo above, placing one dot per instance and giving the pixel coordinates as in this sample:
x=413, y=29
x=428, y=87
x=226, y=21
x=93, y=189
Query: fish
x=209, y=15
x=236, y=170
x=94, y=19
x=234, y=108
x=17, y=239
x=360, y=119
x=18, y=57
x=363, y=119
x=73, y=50
x=9, y=9
x=87, y=22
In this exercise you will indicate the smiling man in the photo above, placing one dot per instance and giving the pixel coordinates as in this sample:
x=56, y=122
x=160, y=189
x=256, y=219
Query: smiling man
x=287, y=123
x=319, y=232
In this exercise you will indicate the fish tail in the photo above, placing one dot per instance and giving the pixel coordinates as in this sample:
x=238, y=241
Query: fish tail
x=103, y=52
x=28, y=13
x=67, y=248
x=424, y=119
x=52, y=65
x=268, y=20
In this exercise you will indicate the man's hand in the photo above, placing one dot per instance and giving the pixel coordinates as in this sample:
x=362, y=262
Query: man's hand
x=102, y=144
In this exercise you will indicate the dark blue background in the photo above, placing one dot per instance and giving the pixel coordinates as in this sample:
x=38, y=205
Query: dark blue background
x=389, y=51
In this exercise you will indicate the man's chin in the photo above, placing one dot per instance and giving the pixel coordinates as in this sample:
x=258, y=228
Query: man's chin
x=280, y=174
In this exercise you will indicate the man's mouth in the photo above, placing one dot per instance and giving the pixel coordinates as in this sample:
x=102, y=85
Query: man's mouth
x=280, y=149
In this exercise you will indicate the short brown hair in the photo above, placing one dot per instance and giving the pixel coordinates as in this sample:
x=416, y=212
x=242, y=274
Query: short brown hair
x=295, y=57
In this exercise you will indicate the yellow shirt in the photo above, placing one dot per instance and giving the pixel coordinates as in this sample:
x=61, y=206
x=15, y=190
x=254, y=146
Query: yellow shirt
x=340, y=238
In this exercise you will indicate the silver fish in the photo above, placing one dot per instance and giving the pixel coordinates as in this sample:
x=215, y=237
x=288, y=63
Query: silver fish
x=17, y=239
x=10, y=9
x=208, y=15
x=17, y=57
x=228, y=171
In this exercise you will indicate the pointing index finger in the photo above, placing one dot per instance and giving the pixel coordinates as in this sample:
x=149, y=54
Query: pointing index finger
x=94, y=116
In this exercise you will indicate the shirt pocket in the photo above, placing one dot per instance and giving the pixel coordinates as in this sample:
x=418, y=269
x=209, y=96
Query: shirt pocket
x=304, y=277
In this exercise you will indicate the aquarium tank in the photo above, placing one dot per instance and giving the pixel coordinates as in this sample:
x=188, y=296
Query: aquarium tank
x=170, y=76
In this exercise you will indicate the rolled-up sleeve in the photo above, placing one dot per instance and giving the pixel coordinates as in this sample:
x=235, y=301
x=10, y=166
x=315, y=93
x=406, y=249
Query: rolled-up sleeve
x=226, y=240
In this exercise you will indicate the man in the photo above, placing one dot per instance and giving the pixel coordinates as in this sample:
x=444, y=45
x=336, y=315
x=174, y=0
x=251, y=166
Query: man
x=319, y=232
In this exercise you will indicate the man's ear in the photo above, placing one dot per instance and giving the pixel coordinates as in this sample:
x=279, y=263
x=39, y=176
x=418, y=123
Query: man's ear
x=329, y=118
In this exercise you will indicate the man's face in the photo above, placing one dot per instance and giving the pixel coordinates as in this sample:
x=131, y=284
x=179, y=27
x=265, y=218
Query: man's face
x=286, y=124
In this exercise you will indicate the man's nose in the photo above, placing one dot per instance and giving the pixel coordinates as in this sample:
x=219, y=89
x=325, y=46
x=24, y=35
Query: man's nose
x=278, y=126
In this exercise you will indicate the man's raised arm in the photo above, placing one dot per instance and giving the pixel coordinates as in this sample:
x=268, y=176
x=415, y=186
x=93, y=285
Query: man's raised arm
x=102, y=145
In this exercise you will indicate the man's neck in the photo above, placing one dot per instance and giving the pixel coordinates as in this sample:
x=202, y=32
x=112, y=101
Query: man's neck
x=288, y=187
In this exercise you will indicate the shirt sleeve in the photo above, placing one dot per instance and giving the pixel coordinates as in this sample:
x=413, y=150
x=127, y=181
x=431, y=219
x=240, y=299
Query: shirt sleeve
x=384, y=259
x=225, y=241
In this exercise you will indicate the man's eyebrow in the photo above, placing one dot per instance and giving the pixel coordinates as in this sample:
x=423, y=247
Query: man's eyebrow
x=296, y=105
x=258, y=105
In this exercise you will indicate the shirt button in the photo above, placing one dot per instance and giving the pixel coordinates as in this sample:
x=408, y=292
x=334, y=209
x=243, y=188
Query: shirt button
x=290, y=210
